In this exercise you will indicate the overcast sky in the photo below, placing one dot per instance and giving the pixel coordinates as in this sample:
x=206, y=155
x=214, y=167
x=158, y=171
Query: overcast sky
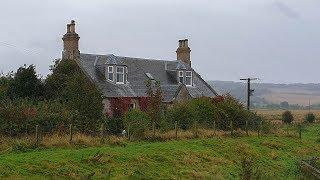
x=275, y=40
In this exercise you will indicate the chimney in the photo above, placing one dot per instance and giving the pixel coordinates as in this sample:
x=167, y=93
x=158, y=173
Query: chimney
x=71, y=43
x=183, y=52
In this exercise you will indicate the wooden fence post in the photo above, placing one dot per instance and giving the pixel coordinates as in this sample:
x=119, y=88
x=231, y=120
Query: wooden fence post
x=176, y=129
x=231, y=127
x=102, y=132
x=70, y=133
x=247, y=128
x=154, y=129
x=37, y=135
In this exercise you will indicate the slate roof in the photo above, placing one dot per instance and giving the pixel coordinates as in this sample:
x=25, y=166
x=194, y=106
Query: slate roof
x=164, y=71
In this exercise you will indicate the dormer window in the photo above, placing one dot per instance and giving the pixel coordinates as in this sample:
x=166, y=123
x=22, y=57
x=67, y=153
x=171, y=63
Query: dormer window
x=120, y=75
x=181, y=77
x=110, y=73
x=188, y=78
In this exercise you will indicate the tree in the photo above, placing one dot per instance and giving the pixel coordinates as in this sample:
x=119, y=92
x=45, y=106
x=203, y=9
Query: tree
x=26, y=84
x=70, y=85
x=154, y=93
x=310, y=118
x=287, y=117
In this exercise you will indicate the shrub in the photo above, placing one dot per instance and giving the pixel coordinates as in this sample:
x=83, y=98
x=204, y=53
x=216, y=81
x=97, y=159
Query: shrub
x=182, y=114
x=231, y=109
x=287, y=117
x=137, y=123
x=204, y=111
x=310, y=118
x=115, y=125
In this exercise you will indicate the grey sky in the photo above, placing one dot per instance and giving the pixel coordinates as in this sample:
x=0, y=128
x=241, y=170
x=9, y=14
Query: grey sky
x=275, y=40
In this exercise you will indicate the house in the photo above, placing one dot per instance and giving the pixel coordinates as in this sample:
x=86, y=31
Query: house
x=119, y=77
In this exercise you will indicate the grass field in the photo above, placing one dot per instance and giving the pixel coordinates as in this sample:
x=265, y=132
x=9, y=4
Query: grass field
x=275, y=115
x=271, y=157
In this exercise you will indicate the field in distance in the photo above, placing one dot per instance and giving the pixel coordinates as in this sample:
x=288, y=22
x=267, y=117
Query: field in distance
x=275, y=115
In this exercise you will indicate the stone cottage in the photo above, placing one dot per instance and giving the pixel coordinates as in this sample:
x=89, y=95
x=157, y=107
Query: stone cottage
x=118, y=77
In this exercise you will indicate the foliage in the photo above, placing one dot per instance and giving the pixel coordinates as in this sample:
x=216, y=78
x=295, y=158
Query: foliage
x=136, y=122
x=231, y=109
x=5, y=82
x=69, y=84
x=310, y=118
x=115, y=125
x=182, y=114
x=205, y=112
x=19, y=117
x=154, y=93
x=26, y=84
x=287, y=117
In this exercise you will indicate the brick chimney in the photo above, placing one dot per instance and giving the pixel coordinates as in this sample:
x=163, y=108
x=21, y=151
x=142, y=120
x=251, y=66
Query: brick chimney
x=183, y=52
x=71, y=42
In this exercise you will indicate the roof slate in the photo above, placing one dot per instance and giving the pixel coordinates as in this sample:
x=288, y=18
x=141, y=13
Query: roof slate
x=164, y=71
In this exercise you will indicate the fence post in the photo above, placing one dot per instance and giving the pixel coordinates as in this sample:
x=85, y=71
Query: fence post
x=176, y=129
x=214, y=127
x=154, y=129
x=247, y=128
x=37, y=135
x=231, y=127
x=102, y=132
x=70, y=133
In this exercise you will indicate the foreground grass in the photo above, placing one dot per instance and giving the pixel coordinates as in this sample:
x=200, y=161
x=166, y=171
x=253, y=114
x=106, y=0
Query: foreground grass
x=219, y=157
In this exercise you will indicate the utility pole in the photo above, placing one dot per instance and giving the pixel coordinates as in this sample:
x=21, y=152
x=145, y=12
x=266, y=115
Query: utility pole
x=249, y=90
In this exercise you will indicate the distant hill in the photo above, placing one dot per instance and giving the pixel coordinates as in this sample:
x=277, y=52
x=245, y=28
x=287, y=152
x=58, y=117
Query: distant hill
x=268, y=93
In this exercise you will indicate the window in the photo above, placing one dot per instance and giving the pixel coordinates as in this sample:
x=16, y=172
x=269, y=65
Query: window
x=120, y=75
x=110, y=73
x=181, y=77
x=189, y=78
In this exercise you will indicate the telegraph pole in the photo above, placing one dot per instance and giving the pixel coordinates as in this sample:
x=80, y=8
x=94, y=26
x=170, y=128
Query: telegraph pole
x=249, y=90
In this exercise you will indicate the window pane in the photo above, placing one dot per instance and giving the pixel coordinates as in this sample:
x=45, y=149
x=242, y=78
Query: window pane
x=188, y=73
x=119, y=77
x=120, y=69
x=110, y=69
x=110, y=76
x=181, y=73
x=188, y=81
x=181, y=79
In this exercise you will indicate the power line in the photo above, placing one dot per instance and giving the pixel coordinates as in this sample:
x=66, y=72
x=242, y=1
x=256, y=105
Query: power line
x=21, y=49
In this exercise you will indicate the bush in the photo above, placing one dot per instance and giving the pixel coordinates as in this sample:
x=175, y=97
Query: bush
x=287, y=117
x=204, y=111
x=115, y=125
x=231, y=109
x=137, y=123
x=310, y=118
x=182, y=114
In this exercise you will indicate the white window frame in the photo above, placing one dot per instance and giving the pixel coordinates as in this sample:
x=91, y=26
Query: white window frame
x=180, y=75
x=120, y=73
x=110, y=72
x=189, y=76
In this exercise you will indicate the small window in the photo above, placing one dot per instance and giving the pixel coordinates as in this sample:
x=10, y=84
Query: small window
x=110, y=73
x=189, y=78
x=120, y=75
x=181, y=77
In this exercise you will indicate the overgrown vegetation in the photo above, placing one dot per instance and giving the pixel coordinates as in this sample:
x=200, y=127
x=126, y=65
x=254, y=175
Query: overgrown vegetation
x=310, y=118
x=287, y=117
x=66, y=96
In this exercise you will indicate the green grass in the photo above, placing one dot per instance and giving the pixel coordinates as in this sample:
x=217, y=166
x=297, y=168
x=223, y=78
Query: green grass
x=218, y=158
